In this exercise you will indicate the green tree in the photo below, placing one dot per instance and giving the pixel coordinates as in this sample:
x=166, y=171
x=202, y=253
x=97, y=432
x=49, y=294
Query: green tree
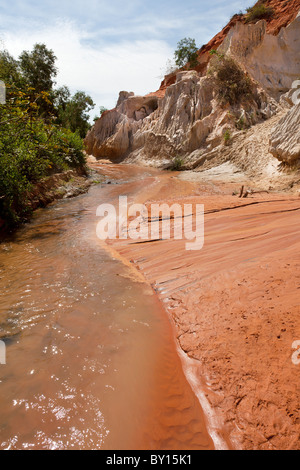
x=73, y=112
x=30, y=149
x=38, y=67
x=186, y=52
x=61, y=98
x=62, y=94
x=10, y=72
x=39, y=70
x=41, y=129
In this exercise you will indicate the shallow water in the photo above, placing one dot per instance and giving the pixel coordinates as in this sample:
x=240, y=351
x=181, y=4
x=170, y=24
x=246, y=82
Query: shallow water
x=91, y=360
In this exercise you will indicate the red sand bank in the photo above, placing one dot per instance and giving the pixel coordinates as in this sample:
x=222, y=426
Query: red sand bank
x=235, y=307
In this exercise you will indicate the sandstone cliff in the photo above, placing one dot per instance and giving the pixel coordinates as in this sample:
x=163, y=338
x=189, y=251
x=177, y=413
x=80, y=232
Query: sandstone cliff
x=285, y=137
x=186, y=121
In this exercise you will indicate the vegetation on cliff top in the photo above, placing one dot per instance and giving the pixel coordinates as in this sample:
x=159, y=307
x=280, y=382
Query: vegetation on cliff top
x=259, y=11
x=41, y=129
x=186, y=52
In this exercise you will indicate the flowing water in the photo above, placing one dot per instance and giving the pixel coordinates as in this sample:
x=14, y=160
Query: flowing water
x=91, y=360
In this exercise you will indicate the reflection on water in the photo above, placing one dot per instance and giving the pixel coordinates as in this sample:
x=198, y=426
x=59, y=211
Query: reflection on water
x=91, y=362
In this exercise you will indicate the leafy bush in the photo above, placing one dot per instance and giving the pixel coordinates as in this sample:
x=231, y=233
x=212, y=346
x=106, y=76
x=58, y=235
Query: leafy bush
x=13, y=186
x=73, y=111
x=233, y=84
x=227, y=137
x=176, y=164
x=41, y=128
x=259, y=11
x=30, y=149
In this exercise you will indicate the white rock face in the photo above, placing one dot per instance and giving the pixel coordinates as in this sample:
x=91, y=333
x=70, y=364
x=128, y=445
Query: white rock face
x=285, y=137
x=180, y=123
x=273, y=61
x=189, y=122
x=110, y=135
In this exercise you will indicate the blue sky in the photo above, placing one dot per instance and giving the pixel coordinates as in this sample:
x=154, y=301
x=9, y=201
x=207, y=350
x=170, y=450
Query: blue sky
x=104, y=46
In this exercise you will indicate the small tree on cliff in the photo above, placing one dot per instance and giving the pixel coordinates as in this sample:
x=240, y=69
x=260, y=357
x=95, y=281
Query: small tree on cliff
x=186, y=52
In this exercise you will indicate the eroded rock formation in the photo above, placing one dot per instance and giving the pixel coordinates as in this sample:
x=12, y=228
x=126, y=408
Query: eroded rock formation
x=185, y=120
x=285, y=137
x=111, y=135
x=273, y=61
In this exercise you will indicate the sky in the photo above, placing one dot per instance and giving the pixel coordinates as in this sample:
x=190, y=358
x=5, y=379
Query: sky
x=105, y=46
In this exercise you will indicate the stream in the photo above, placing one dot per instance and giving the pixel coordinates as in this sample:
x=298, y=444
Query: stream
x=91, y=360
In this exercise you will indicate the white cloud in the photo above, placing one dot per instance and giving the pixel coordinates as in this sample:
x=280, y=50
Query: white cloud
x=100, y=70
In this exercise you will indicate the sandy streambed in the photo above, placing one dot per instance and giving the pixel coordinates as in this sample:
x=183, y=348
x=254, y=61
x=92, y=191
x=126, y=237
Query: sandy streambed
x=234, y=306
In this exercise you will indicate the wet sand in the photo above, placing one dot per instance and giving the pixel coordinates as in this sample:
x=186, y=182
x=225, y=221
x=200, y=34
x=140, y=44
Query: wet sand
x=234, y=306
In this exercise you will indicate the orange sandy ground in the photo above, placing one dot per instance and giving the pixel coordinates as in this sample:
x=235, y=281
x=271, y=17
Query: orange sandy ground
x=235, y=304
